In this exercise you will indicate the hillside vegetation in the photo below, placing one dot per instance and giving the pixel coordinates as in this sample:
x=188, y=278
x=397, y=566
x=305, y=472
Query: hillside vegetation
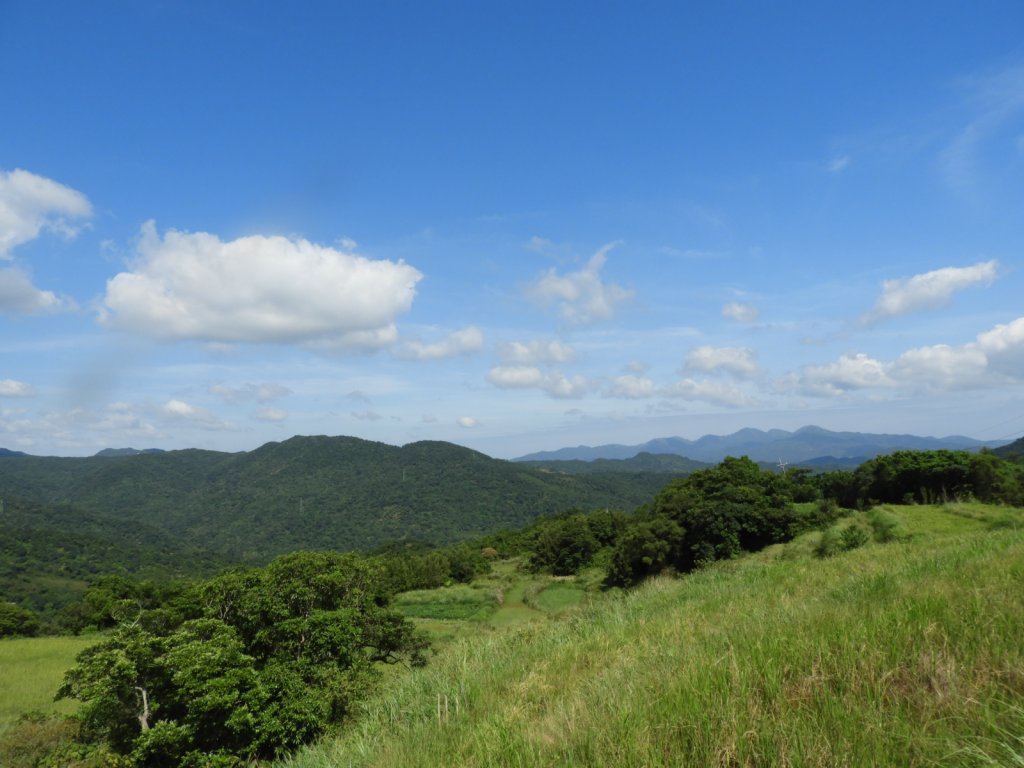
x=65, y=517
x=899, y=653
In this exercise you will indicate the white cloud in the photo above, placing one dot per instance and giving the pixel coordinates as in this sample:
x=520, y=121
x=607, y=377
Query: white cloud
x=199, y=417
x=271, y=414
x=849, y=372
x=739, y=361
x=930, y=290
x=12, y=388
x=633, y=387
x=581, y=296
x=467, y=422
x=741, y=313
x=530, y=377
x=941, y=367
x=535, y=351
x=257, y=289
x=462, y=342
x=31, y=203
x=1003, y=347
x=715, y=392
x=18, y=294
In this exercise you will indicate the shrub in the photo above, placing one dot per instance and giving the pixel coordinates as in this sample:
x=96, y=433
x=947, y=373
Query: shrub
x=885, y=525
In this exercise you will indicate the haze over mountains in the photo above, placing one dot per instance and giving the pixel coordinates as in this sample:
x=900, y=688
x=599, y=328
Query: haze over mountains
x=803, y=445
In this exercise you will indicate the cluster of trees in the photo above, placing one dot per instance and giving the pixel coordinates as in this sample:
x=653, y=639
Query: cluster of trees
x=249, y=664
x=926, y=477
x=712, y=514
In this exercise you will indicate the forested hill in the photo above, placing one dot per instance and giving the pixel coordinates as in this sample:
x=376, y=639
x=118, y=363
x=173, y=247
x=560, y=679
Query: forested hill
x=314, y=493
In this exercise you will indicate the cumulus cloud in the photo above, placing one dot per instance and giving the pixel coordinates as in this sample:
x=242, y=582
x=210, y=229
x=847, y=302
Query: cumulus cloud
x=582, y=297
x=18, y=294
x=857, y=371
x=535, y=351
x=12, y=388
x=531, y=377
x=257, y=289
x=462, y=342
x=741, y=313
x=714, y=392
x=467, y=422
x=30, y=203
x=930, y=290
x=739, y=361
x=995, y=357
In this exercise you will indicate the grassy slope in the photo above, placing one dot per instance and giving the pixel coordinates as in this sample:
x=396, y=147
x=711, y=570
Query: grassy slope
x=904, y=653
x=31, y=670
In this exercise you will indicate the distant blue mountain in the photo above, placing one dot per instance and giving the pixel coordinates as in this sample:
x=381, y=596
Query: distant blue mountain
x=803, y=445
x=115, y=452
x=6, y=452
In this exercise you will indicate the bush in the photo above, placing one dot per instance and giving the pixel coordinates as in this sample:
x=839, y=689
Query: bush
x=838, y=539
x=886, y=526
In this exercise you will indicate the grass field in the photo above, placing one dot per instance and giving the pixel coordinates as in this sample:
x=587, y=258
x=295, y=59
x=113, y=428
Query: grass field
x=31, y=670
x=907, y=653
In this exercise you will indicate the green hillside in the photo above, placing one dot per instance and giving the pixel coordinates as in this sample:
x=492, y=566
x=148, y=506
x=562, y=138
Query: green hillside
x=904, y=653
x=312, y=493
x=666, y=463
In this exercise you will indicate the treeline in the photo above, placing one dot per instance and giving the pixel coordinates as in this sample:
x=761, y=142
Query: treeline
x=927, y=477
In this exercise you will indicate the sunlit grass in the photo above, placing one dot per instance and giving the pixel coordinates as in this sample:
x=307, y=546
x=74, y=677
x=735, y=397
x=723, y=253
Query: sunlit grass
x=904, y=653
x=31, y=670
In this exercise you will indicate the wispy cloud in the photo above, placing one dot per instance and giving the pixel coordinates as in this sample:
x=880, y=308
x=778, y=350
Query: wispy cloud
x=994, y=101
x=930, y=290
x=741, y=313
x=535, y=351
x=738, y=361
x=582, y=297
x=466, y=341
x=13, y=388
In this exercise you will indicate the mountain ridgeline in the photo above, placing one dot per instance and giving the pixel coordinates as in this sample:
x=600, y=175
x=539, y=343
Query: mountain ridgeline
x=803, y=445
x=308, y=493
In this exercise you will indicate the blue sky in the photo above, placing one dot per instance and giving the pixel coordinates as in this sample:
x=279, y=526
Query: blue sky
x=514, y=226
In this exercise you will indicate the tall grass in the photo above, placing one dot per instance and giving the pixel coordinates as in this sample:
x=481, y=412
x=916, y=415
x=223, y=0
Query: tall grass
x=906, y=653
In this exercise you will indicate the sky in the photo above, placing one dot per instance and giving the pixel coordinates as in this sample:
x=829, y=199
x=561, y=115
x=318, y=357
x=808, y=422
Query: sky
x=516, y=226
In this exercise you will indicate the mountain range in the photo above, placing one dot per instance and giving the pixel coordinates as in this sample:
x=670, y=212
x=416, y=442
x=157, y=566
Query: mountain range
x=804, y=445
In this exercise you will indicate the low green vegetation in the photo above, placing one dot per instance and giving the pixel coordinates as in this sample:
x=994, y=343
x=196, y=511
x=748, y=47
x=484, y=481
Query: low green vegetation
x=31, y=670
x=906, y=652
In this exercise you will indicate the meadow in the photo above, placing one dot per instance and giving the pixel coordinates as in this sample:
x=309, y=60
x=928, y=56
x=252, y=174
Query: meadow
x=31, y=670
x=903, y=653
